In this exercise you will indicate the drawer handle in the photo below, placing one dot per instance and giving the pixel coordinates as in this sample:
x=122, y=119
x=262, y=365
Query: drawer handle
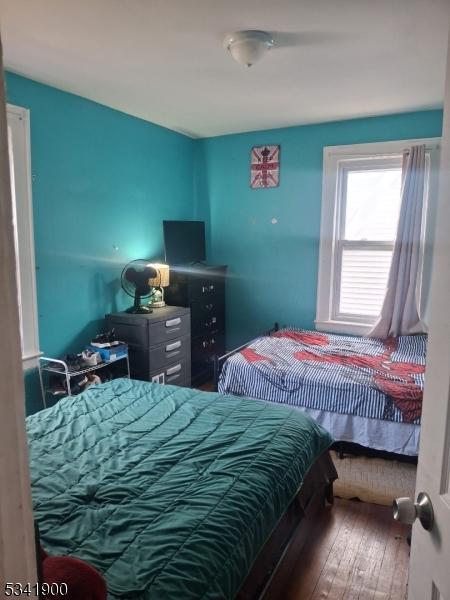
x=169, y=379
x=173, y=370
x=207, y=288
x=210, y=322
x=207, y=343
x=173, y=346
x=173, y=322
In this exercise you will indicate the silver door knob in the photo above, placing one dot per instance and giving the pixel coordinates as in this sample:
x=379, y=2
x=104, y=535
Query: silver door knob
x=407, y=511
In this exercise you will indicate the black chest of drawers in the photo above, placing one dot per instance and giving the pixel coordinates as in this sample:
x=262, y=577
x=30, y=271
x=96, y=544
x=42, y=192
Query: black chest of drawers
x=202, y=289
x=159, y=344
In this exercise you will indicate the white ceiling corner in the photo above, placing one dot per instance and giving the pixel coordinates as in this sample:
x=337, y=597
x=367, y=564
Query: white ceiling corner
x=163, y=60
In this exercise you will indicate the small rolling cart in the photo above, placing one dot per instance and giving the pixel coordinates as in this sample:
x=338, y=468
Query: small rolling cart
x=53, y=370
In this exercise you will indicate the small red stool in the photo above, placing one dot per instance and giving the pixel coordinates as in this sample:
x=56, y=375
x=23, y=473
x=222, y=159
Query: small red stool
x=83, y=581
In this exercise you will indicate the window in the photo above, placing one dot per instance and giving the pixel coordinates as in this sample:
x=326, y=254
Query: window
x=360, y=211
x=19, y=154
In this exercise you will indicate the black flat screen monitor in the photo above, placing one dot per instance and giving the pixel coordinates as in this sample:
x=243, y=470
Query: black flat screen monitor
x=184, y=242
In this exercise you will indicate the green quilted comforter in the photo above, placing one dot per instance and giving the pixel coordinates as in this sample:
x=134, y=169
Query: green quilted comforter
x=169, y=492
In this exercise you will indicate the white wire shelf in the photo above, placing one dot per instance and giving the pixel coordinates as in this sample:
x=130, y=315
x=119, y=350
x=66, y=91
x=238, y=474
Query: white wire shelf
x=48, y=365
x=66, y=370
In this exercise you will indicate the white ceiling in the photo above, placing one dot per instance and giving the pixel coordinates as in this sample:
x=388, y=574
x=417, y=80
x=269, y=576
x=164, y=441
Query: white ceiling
x=163, y=60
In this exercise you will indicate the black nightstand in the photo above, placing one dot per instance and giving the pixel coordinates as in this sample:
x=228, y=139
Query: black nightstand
x=159, y=343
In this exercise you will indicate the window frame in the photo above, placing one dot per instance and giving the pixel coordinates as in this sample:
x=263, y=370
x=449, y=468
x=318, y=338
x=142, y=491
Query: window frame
x=18, y=119
x=337, y=159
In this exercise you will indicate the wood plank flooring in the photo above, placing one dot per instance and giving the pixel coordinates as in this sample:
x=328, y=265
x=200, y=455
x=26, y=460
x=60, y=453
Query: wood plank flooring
x=207, y=387
x=358, y=552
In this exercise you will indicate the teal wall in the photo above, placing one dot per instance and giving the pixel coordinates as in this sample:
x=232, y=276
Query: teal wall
x=101, y=179
x=273, y=267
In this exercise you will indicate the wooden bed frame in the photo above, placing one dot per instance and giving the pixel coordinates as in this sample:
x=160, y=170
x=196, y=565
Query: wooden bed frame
x=269, y=575
x=342, y=448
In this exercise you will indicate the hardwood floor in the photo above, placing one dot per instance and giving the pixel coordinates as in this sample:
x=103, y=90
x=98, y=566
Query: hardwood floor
x=207, y=387
x=358, y=552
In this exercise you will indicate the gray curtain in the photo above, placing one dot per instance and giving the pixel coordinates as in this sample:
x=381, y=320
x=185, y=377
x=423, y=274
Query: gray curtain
x=400, y=310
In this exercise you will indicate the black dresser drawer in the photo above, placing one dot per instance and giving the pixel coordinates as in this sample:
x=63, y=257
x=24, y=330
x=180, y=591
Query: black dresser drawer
x=200, y=289
x=172, y=350
x=207, y=307
x=209, y=324
x=204, y=350
x=178, y=373
x=208, y=316
x=169, y=329
x=133, y=333
x=207, y=345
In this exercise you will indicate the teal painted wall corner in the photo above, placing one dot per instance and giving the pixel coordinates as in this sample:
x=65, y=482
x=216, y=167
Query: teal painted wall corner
x=101, y=180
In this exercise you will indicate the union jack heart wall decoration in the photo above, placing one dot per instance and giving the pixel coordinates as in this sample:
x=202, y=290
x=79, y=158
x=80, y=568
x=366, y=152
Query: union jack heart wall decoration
x=265, y=167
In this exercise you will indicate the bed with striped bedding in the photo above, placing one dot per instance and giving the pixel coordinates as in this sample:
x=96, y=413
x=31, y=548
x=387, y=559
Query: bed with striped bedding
x=359, y=376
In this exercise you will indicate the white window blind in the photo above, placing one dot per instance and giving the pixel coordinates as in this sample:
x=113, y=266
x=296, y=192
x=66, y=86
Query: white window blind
x=363, y=281
x=369, y=206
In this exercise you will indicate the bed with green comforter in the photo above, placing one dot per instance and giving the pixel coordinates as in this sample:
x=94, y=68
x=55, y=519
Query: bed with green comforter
x=169, y=492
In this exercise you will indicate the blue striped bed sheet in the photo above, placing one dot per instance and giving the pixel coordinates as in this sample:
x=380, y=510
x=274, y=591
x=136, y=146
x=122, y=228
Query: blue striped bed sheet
x=367, y=377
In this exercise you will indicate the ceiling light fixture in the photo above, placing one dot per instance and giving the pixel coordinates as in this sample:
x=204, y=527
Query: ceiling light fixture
x=249, y=46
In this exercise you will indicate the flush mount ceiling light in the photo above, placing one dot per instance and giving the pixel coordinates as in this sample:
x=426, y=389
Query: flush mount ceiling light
x=249, y=46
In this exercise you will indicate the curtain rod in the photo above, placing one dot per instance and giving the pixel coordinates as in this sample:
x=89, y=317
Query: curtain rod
x=427, y=147
x=381, y=154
